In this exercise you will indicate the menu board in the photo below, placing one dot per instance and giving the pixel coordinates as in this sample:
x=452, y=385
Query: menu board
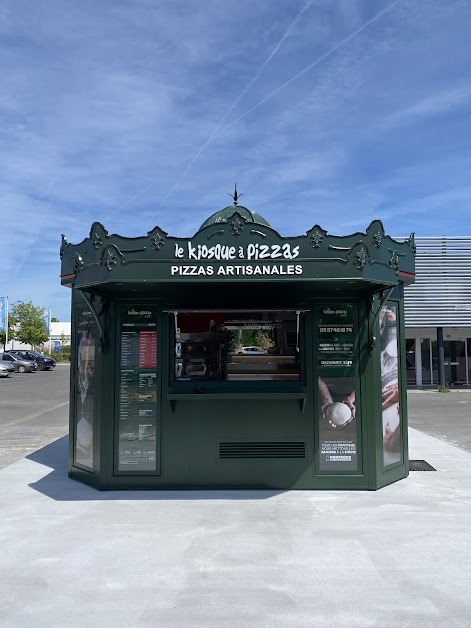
x=335, y=336
x=138, y=389
x=148, y=350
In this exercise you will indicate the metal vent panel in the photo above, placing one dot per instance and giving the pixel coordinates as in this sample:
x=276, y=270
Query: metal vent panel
x=441, y=294
x=420, y=465
x=248, y=449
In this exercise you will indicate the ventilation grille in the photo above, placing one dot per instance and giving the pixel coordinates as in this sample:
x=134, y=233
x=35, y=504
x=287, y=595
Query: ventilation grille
x=441, y=295
x=233, y=450
x=420, y=465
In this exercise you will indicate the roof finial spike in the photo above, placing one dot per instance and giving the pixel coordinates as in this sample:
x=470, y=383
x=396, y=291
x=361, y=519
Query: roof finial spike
x=235, y=196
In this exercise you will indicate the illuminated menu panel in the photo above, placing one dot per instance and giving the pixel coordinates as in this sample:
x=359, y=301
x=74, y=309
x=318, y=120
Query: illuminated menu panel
x=138, y=388
x=147, y=349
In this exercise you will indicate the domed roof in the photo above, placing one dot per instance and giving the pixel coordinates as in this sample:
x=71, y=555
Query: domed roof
x=225, y=214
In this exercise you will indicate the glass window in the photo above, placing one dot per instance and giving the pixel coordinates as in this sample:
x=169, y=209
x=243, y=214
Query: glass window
x=85, y=389
x=455, y=362
x=410, y=361
x=391, y=417
x=434, y=361
x=426, y=361
x=225, y=346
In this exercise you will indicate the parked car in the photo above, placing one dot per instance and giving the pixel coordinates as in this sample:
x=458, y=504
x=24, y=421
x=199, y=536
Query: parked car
x=252, y=351
x=20, y=365
x=44, y=363
x=6, y=369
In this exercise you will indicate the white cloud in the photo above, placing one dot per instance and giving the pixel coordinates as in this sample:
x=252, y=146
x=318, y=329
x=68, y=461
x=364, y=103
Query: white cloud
x=104, y=106
x=449, y=99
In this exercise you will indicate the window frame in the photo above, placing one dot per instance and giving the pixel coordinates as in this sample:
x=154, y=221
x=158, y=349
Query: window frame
x=242, y=386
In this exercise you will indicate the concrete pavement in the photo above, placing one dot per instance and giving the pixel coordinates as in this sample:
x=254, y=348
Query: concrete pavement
x=396, y=558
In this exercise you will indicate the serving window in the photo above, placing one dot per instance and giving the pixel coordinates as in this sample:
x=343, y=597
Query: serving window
x=237, y=346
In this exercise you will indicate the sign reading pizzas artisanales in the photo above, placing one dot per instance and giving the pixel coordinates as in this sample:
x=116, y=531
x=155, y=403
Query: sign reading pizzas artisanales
x=236, y=270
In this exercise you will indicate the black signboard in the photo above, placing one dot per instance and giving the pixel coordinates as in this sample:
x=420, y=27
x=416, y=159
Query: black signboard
x=138, y=391
x=337, y=412
x=335, y=336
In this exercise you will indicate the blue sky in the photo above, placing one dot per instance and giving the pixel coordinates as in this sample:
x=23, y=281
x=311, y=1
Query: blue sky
x=143, y=113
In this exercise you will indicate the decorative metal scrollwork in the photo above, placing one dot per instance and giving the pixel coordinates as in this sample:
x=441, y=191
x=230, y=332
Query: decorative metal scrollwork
x=157, y=242
x=317, y=240
x=394, y=262
x=215, y=233
x=257, y=232
x=111, y=260
x=377, y=239
x=411, y=241
x=97, y=241
x=360, y=259
x=237, y=226
x=78, y=263
x=63, y=245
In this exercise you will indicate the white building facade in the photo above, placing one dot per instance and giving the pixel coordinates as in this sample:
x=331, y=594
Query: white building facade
x=60, y=336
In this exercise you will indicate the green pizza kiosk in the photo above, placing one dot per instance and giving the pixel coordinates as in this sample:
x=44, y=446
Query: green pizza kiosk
x=238, y=358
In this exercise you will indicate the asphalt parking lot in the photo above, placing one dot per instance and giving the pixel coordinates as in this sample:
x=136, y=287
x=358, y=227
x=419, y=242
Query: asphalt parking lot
x=33, y=411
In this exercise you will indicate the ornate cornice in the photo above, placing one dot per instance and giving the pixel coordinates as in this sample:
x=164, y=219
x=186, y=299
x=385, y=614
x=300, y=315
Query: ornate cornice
x=371, y=256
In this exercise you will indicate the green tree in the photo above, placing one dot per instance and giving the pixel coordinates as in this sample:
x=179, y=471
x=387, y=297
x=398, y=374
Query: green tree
x=30, y=323
x=262, y=339
x=54, y=320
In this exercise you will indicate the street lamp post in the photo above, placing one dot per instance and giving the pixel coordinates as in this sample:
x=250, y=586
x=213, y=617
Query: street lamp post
x=49, y=316
x=50, y=324
x=6, y=324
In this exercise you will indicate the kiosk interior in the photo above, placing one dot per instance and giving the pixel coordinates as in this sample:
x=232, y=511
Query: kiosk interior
x=238, y=358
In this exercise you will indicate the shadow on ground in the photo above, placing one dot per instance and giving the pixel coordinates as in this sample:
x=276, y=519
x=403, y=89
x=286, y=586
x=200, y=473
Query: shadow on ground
x=58, y=486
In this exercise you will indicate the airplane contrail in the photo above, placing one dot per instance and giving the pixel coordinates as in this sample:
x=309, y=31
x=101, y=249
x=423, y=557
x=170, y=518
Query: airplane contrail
x=217, y=131
x=244, y=91
x=313, y=64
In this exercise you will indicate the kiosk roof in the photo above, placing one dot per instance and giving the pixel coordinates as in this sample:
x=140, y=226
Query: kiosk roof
x=225, y=214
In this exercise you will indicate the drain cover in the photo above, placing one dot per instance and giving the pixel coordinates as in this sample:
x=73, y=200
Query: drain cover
x=420, y=465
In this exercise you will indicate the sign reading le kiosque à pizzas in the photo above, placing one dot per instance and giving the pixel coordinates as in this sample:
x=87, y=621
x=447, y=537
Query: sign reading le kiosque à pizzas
x=252, y=252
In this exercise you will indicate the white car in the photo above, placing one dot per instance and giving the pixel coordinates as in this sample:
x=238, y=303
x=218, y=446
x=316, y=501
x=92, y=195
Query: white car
x=252, y=351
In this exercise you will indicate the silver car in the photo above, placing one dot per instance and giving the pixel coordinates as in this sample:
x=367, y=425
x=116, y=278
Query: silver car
x=6, y=369
x=20, y=365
